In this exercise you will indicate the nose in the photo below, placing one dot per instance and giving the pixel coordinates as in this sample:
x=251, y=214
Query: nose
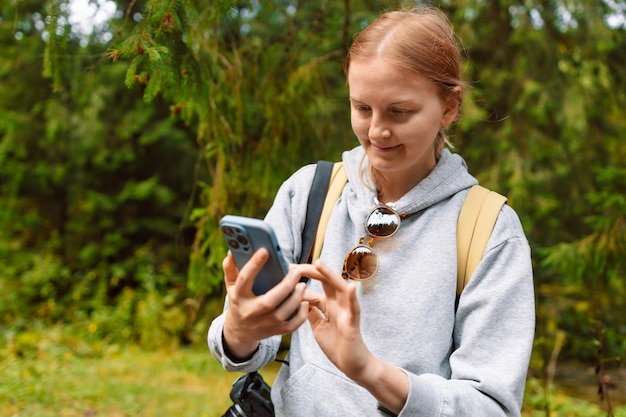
x=378, y=128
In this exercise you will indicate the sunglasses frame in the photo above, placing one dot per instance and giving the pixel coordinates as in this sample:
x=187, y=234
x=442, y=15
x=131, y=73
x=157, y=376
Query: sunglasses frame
x=384, y=210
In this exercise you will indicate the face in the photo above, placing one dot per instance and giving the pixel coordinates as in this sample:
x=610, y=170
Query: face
x=396, y=116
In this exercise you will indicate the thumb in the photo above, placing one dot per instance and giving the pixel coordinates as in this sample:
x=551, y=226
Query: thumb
x=244, y=277
x=316, y=316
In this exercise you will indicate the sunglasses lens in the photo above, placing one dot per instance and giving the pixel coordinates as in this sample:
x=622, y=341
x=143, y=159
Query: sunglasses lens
x=360, y=264
x=382, y=222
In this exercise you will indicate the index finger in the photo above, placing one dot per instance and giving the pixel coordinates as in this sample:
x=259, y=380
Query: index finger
x=230, y=270
x=331, y=281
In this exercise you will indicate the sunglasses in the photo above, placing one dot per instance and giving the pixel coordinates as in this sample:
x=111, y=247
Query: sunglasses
x=361, y=262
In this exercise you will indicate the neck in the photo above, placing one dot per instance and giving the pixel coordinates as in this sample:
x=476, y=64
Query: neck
x=392, y=182
x=392, y=186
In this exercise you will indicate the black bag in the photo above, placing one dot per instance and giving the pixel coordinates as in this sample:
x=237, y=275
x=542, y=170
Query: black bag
x=251, y=397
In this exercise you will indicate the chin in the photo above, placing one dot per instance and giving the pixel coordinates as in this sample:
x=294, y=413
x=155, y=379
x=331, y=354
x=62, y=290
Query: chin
x=384, y=165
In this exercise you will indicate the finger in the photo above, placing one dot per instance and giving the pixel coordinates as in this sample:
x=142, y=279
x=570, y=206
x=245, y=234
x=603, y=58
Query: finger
x=311, y=271
x=354, y=306
x=250, y=270
x=331, y=281
x=299, y=318
x=303, y=270
x=306, y=271
x=316, y=317
x=230, y=270
x=289, y=308
x=329, y=276
x=315, y=299
x=277, y=296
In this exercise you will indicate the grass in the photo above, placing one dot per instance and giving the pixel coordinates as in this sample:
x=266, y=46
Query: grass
x=131, y=382
x=45, y=376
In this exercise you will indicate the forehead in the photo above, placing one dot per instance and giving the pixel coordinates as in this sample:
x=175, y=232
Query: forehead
x=380, y=78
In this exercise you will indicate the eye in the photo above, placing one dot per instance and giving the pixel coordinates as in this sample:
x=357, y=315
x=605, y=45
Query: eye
x=359, y=106
x=399, y=113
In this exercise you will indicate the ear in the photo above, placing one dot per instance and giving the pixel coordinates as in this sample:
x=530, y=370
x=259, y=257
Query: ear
x=452, y=104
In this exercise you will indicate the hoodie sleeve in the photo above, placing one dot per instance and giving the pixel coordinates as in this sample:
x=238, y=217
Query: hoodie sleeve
x=493, y=335
x=265, y=354
x=288, y=228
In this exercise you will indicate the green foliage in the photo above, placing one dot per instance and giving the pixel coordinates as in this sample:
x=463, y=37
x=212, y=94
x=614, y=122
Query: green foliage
x=117, y=159
x=560, y=404
x=95, y=184
x=550, y=88
x=594, y=266
x=257, y=105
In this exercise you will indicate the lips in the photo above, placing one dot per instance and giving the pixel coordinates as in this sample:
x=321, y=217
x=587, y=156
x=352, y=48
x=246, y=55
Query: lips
x=384, y=148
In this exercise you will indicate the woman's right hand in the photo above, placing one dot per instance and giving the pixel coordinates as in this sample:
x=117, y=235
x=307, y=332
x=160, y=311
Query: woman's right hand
x=250, y=318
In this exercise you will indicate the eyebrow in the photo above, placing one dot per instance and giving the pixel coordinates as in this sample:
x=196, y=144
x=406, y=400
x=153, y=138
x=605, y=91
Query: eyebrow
x=394, y=103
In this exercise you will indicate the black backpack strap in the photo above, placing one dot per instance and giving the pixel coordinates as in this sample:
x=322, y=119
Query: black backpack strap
x=314, y=208
x=315, y=204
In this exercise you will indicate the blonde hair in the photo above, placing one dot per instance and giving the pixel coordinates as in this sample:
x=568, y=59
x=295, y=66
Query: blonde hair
x=421, y=40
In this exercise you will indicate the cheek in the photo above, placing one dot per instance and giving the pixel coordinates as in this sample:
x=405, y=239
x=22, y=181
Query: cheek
x=359, y=126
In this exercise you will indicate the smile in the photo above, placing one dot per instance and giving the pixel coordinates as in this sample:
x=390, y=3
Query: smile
x=384, y=148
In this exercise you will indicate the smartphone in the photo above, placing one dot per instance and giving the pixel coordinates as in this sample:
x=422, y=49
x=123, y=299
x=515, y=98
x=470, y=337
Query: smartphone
x=244, y=236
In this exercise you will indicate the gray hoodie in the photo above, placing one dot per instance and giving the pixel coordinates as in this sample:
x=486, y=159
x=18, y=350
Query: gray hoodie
x=468, y=361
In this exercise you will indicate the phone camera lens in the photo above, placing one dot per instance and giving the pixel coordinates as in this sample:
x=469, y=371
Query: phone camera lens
x=243, y=240
x=228, y=231
x=233, y=243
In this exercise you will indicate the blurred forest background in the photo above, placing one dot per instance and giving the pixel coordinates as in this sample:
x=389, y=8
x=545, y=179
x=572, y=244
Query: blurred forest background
x=129, y=127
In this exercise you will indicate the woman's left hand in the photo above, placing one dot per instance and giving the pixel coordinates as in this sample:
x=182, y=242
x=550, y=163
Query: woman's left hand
x=335, y=320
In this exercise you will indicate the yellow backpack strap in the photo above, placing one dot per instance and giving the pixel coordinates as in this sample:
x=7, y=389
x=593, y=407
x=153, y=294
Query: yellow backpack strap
x=338, y=180
x=476, y=221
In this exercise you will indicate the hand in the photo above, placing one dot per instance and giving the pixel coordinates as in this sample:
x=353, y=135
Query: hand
x=335, y=320
x=250, y=318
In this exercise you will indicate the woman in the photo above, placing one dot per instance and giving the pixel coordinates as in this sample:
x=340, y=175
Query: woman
x=392, y=339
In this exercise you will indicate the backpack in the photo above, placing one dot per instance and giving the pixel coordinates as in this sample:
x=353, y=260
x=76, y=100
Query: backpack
x=474, y=226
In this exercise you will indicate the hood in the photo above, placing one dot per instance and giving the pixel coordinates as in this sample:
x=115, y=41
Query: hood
x=448, y=178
